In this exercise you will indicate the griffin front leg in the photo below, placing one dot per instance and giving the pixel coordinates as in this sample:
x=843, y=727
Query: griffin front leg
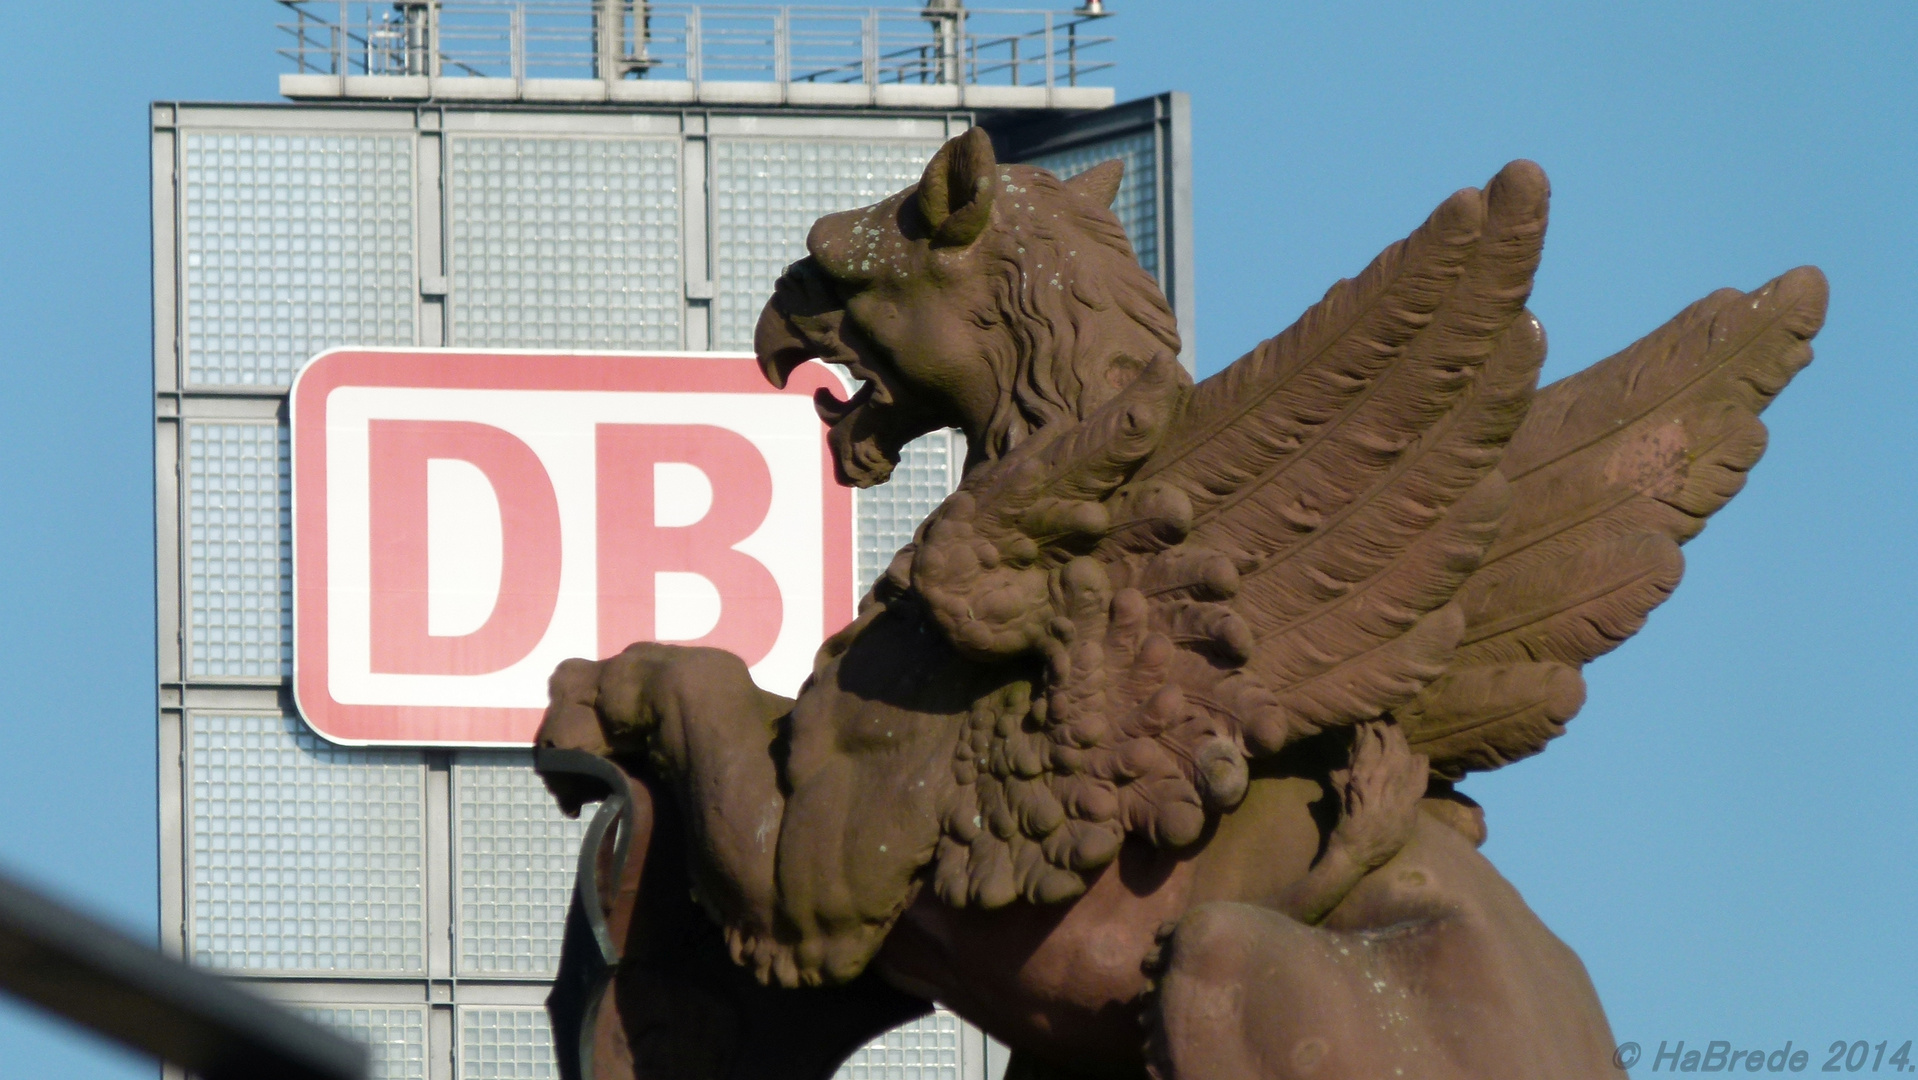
x=1379, y=799
x=700, y=725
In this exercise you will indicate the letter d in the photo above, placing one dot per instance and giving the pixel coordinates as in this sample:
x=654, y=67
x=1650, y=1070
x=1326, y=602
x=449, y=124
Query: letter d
x=397, y=456
x=1776, y=1062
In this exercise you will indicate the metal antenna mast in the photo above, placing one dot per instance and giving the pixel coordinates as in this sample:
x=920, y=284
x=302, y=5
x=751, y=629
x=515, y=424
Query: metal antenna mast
x=948, y=18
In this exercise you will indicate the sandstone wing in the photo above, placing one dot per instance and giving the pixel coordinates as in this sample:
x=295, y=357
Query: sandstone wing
x=1613, y=468
x=1196, y=575
x=1347, y=467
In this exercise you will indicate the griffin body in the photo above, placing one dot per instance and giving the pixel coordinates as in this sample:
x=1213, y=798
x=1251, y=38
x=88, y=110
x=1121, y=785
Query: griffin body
x=1141, y=755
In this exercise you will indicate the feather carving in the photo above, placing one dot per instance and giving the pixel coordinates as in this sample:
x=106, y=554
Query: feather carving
x=1659, y=436
x=1391, y=401
x=1206, y=574
x=1614, y=467
x=1573, y=610
x=1373, y=513
x=1485, y=717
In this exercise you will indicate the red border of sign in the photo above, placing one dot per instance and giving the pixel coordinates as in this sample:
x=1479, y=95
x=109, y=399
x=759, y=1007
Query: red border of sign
x=359, y=725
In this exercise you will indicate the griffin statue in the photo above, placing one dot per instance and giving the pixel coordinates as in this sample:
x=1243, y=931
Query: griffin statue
x=1141, y=756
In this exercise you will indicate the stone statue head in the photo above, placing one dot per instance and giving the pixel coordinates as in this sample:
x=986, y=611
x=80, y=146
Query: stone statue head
x=993, y=298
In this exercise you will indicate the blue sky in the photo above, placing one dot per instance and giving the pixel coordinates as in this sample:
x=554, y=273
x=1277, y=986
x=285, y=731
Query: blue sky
x=1728, y=833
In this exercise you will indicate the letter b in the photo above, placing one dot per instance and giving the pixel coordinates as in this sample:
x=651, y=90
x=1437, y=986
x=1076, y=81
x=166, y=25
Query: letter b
x=1715, y=1053
x=634, y=548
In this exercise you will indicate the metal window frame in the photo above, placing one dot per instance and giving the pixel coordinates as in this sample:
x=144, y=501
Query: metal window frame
x=183, y=342
x=449, y=149
x=426, y=1017
x=429, y=901
x=458, y=760
x=217, y=409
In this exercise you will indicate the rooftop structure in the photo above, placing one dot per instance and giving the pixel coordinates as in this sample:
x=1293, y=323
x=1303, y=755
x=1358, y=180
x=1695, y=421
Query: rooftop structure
x=941, y=56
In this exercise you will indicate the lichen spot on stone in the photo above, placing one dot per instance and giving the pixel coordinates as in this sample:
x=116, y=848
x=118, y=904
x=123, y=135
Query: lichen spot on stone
x=1307, y=1054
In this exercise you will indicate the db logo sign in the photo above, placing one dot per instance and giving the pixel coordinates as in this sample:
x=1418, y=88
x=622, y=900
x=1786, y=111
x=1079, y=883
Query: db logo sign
x=464, y=521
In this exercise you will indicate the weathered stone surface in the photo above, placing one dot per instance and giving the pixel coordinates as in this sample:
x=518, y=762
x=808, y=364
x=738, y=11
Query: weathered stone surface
x=1142, y=756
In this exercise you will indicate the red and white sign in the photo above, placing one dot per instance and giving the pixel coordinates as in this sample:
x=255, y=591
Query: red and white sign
x=463, y=522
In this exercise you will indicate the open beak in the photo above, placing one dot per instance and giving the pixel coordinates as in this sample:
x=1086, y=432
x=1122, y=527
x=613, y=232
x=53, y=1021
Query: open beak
x=799, y=323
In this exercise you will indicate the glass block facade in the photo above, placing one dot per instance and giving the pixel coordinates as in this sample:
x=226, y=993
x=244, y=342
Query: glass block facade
x=885, y=516
x=305, y=856
x=239, y=551
x=506, y=1044
x=766, y=193
x=926, y=1049
x=1138, y=201
x=565, y=243
x=291, y=244
x=517, y=858
x=396, y=1037
x=415, y=899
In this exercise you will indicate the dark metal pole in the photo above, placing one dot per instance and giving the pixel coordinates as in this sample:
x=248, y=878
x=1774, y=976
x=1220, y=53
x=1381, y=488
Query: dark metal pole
x=97, y=977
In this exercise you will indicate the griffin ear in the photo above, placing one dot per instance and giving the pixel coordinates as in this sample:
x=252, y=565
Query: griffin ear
x=1099, y=183
x=955, y=194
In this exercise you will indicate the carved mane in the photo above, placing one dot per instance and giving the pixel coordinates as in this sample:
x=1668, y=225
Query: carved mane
x=1070, y=295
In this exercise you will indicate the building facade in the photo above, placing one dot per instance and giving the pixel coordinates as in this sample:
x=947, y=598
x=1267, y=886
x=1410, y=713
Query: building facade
x=415, y=897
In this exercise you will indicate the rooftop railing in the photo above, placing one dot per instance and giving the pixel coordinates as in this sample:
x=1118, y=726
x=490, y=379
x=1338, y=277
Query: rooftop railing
x=634, y=39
